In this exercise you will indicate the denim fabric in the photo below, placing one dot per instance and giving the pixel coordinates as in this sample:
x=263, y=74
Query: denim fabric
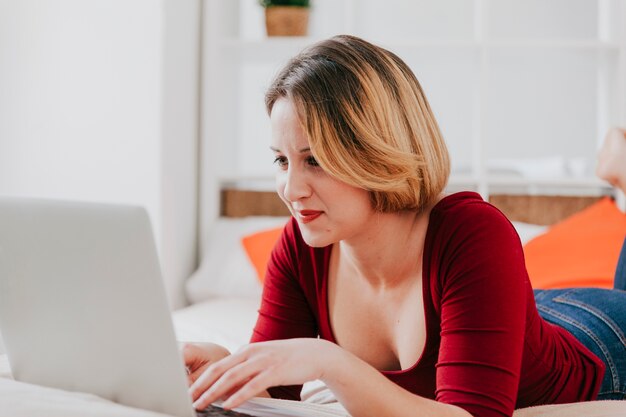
x=597, y=318
x=620, y=272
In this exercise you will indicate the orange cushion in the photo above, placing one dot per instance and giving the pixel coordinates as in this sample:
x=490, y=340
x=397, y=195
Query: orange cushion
x=259, y=247
x=580, y=251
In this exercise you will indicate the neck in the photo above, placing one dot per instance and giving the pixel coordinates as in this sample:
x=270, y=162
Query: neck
x=389, y=253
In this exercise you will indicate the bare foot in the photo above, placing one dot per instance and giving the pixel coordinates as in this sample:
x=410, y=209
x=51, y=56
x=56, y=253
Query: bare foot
x=612, y=159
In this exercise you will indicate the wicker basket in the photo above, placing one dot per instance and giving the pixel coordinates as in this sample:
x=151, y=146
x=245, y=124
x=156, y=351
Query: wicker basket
x=286, y=21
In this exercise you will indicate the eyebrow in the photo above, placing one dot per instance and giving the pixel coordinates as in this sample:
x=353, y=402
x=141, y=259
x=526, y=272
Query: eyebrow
x=307, y=149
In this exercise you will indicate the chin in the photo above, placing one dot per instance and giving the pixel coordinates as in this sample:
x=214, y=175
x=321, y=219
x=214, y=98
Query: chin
x=316, y=239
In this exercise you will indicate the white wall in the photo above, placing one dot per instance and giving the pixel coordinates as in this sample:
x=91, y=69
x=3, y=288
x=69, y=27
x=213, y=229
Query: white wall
x=80, y=102
x=98, y=102
x=180, y=124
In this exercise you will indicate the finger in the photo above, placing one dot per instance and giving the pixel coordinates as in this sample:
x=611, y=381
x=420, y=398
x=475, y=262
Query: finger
x=191, y=355
x=195, y=374
x=227, y=383
x=212, y=373
x=194, y=370
x=251, y=389
x=232, y=381
x=186, y=348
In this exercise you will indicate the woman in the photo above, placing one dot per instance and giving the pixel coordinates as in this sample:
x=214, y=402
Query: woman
x=386, y=289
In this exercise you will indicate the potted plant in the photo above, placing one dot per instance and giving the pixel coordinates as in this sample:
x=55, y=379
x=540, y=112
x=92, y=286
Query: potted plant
x=286, y=17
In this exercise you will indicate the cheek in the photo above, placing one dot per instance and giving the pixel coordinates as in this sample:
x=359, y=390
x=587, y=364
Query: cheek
x=280, y=189
x=358, y=207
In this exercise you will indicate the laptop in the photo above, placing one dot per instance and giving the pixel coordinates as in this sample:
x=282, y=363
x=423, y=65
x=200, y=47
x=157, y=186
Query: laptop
x=83, y=306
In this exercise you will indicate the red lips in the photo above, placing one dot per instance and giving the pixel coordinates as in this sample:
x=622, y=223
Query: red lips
x=307, y=216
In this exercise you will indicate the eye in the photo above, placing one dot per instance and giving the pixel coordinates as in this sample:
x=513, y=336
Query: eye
x=312, y=162
x=281, y=161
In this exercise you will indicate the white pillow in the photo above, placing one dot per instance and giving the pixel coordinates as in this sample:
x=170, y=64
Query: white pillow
x=528, y=231
x=541, y=167
x=227, y=321
x=225, y=269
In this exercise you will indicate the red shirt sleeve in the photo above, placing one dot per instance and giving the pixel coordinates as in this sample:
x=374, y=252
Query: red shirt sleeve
x=483, y=300
x=284, y=312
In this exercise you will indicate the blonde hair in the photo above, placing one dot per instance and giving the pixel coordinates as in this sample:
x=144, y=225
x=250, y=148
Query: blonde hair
x=367, y=120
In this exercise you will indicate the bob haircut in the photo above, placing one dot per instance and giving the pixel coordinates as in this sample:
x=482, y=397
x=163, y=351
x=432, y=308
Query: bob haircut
x=367, y=121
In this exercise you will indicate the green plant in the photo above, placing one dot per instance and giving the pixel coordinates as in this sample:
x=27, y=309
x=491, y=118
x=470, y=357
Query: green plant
x=295, y=3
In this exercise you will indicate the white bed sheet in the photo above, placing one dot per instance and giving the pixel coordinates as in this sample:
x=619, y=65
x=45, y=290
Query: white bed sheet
x=227, y=321
x=25, y=400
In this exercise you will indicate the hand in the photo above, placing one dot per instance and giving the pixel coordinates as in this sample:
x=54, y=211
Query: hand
x=199, y=356
x=258, y=366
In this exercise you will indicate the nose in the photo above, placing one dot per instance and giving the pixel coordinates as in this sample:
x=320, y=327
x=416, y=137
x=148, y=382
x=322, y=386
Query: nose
x=296, y=185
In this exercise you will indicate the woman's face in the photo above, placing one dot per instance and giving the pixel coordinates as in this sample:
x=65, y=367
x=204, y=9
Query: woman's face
x=327, y=210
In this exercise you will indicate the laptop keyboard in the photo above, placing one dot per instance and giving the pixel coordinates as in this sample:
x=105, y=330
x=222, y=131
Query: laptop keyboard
x=215, y=411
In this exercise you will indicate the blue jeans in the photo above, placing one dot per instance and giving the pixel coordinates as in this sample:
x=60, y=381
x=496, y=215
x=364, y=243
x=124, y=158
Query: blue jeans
x=620, y=272
x=597, y=318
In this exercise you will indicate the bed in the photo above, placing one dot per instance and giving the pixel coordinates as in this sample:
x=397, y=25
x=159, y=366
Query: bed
x=225, y=285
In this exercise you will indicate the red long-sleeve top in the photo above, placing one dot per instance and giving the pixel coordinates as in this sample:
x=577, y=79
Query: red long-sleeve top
x=487, y=349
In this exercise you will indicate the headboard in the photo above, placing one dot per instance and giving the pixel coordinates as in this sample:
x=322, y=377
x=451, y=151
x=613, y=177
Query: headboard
x=536, y=209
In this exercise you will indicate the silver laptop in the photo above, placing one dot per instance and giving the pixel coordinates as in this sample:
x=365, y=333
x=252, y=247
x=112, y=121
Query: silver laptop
x=82, y=303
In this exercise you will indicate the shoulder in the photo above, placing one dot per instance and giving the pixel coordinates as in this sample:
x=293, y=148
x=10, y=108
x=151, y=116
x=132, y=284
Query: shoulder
x=466, y=213
x=467, y=233
x=466, y=204
x=473, y=248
